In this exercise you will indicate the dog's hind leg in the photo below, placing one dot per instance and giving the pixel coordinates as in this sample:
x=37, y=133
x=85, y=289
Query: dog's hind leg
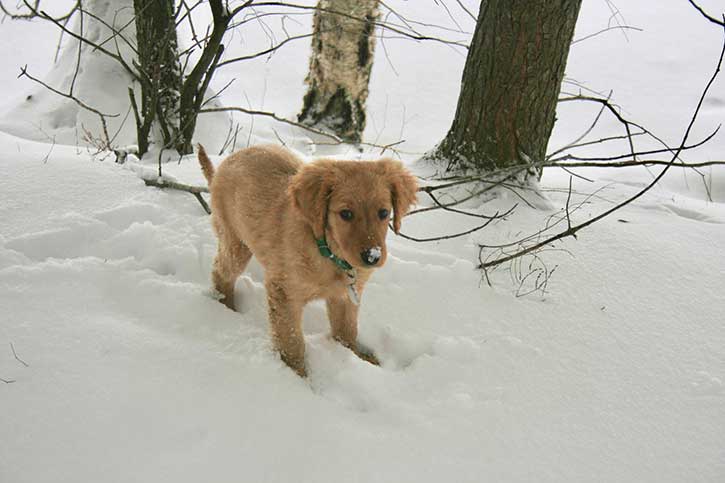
x=231, y=260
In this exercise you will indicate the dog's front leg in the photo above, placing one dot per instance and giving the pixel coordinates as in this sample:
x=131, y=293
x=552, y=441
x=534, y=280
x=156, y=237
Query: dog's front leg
x=285, y=318
x=343, y=322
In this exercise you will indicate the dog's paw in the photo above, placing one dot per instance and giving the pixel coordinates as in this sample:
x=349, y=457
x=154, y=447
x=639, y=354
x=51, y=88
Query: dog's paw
x=366, y=354
x=296, y=365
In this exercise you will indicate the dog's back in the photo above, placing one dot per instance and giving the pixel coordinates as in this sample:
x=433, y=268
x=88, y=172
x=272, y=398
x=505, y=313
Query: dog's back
x=249, y=191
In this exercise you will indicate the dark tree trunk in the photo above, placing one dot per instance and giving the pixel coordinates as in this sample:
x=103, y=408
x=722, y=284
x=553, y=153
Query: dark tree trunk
x=511, y=81
x=340, y=65
x=196, y=83
x=160, y=71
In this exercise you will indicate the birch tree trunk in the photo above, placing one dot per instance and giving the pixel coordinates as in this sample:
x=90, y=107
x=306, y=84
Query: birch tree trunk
x=340, y=66
x=511, y=81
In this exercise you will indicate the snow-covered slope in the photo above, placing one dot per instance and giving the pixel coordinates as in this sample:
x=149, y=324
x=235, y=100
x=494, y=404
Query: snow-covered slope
x=135, y=373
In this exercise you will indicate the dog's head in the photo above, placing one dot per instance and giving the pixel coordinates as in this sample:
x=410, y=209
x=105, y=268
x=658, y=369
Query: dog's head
x=351, y=203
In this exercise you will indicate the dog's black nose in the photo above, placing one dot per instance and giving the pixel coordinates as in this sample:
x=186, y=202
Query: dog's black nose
x=371, y=256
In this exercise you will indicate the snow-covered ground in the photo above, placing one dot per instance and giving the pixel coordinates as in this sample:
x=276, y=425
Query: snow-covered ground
x=135, y=373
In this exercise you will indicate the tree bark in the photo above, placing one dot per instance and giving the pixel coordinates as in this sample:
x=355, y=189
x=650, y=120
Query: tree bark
x=197, y=81
x=160, y=71
x=511, y=81
x=340, y=66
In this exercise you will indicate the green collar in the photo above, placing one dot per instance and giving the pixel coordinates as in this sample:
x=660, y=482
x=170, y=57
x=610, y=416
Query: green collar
x=327, y=253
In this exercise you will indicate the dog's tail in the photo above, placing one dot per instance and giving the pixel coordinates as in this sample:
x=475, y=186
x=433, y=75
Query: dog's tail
x=206, y=167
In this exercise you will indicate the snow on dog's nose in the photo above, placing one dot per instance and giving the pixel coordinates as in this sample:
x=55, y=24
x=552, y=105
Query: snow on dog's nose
x=371, y=256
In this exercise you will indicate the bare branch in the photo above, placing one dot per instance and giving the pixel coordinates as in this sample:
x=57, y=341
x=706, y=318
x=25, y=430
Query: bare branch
x=275, y=117
x=458, y=235
x=720, y=22
x=634, y=154
x=412, y=34
x=616, y=27
x=629, y=164
x=102, y=116
x=33, y=11
x=17, y=358
x=42, y=14
x=264, y=52
x=195, y=190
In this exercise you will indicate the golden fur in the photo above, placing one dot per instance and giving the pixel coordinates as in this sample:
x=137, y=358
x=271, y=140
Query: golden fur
x=266, y=202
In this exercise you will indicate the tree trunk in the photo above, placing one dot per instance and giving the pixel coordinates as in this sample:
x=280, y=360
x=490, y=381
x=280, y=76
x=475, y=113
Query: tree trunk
x=340, y=65
x=159, y=69
x=511, y=81
x=197, y=81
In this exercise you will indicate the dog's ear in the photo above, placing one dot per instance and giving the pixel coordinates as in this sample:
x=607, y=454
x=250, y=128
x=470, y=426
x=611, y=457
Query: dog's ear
x=310, y=191
x=403, y=189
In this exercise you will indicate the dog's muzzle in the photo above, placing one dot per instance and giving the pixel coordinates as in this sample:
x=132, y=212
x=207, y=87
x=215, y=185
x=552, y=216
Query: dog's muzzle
x=371, y=256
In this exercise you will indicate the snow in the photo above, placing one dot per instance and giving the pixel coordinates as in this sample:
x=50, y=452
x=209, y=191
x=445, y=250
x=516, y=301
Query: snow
x=136, y=373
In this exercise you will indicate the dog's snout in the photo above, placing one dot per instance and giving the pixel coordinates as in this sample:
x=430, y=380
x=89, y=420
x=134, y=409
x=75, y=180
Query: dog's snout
x=371, y=256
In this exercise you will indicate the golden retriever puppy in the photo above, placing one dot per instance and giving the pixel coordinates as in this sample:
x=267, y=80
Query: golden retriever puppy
x=318, y=230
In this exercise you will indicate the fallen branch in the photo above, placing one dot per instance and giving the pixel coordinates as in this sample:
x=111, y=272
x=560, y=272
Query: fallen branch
x=195, y=190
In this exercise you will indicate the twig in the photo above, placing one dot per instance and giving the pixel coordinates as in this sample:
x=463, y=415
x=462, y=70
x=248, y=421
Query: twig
x=33, y=12
x=590, y=143
x=616, y=27
x=42, y=14
x=468, y=213
x=496, y=216
x=708, y=16
x=634, y=154
x=102, y=116
x=17, y=358
x=629, y=164
x=264, y=52
x=275, y=117
x=587, y=131
x=463, y=7
x=412, y=34
x=568, y=215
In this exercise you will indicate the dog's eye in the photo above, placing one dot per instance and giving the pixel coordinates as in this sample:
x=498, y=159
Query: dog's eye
x=346, y=215
x=383, y=214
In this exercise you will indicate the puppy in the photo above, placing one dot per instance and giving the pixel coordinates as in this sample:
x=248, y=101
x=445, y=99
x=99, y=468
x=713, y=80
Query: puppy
x=318, y=230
